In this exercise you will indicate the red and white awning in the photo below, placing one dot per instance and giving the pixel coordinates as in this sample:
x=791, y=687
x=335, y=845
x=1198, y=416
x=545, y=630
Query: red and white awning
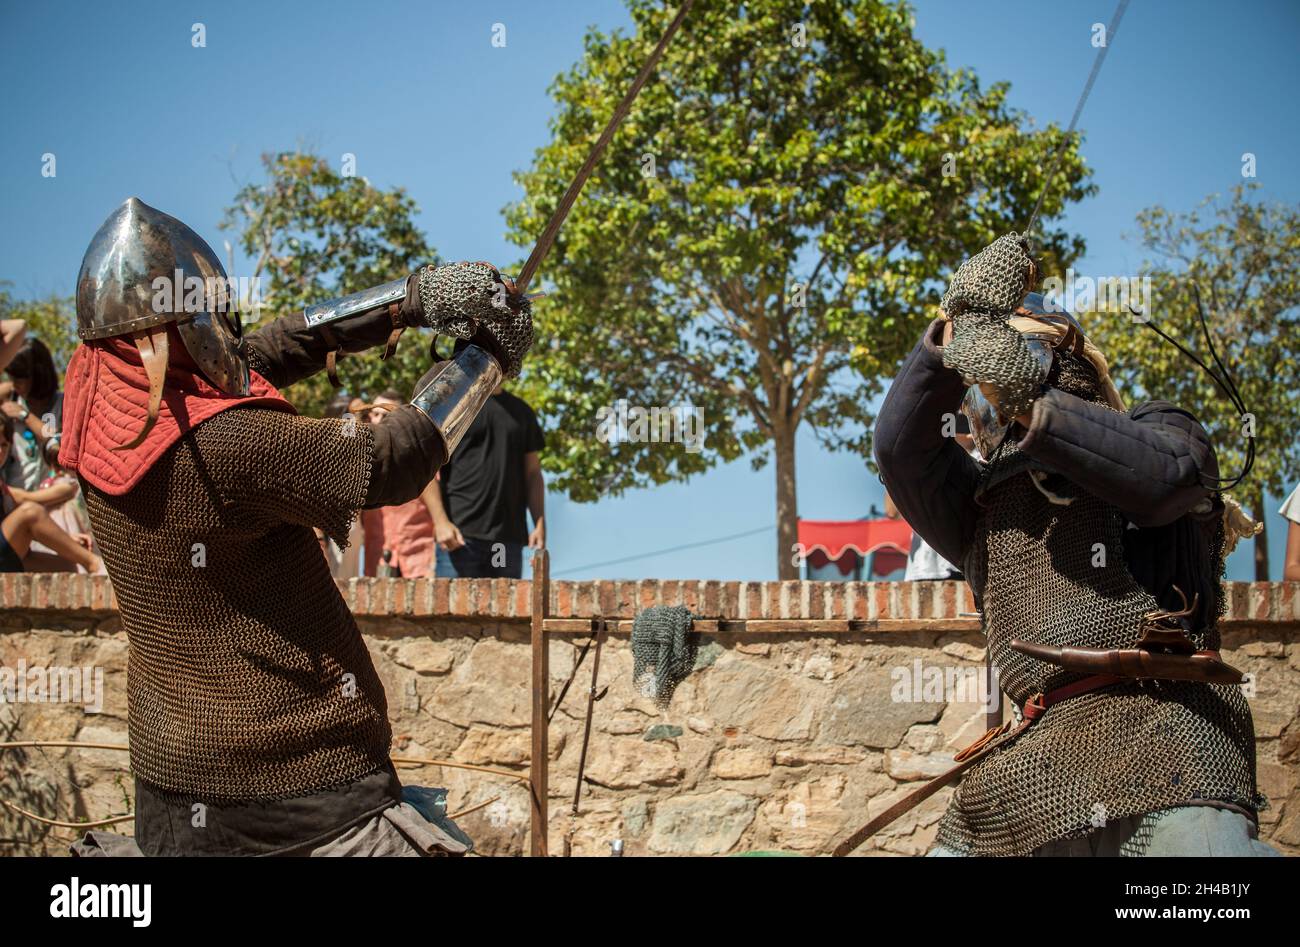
x=824, y=541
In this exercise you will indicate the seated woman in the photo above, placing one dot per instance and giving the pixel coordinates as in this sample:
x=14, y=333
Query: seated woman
x=26, y=520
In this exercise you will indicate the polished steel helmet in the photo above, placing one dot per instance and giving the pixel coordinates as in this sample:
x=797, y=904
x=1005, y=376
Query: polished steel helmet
x=144, y=269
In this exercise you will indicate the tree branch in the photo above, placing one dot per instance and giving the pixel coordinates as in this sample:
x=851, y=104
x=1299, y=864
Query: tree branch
x=812, y=382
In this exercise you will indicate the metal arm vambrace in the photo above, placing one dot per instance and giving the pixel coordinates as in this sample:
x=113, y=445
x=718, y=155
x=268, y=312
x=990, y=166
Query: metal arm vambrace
x=296, y=347
x=418, y=438
x=452, y=393
x=374, y=299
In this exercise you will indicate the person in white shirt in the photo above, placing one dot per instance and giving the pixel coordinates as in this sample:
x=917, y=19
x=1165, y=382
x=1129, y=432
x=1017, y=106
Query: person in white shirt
x=1291, y=510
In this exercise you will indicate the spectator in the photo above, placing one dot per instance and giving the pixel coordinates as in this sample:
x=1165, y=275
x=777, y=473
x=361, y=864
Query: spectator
x=479, y=507
x=1291, y=510
x=33, y=401
x=13, y=333
x=405, y=531
x=26, y=519
x=30, y=398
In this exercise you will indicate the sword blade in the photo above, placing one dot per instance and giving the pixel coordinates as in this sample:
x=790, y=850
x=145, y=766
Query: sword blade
x=547, y=239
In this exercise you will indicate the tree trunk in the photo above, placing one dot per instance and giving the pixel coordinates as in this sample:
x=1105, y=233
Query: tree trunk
x=1261, y=541
x=787, y=503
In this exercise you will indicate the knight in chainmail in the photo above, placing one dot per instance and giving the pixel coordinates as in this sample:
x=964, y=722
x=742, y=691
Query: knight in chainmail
x=1082, y=521
x=258, y=724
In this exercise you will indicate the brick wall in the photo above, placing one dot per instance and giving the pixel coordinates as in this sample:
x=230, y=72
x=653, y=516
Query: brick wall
x=785, y=740
x=1273, y=603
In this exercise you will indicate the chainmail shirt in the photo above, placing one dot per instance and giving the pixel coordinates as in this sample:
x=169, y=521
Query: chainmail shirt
x=249, y=679
x=1056, y=575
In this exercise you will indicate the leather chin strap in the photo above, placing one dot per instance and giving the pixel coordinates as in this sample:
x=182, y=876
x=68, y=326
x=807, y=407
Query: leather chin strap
x=153, y=347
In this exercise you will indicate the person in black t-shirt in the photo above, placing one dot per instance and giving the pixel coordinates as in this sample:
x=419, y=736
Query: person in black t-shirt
x=495, y=475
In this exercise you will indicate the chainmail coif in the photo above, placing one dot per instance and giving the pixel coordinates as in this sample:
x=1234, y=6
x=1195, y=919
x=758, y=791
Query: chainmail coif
x=981, y=298
x=249, y=678
x=662, y=639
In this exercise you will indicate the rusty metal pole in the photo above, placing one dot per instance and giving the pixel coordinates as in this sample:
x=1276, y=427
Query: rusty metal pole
x=538, y=776
x=592, y=697
x=591, y=706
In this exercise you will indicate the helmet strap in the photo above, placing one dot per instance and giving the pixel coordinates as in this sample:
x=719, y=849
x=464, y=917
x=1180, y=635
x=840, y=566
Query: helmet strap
x=153, y=347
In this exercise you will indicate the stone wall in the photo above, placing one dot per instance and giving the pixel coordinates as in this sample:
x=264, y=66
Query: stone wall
x=776, y=741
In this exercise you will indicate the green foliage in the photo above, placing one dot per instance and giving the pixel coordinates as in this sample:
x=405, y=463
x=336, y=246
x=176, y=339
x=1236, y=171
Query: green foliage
x=315, y=235
x=53, y=320
x=1239, y=263
x=774, y=164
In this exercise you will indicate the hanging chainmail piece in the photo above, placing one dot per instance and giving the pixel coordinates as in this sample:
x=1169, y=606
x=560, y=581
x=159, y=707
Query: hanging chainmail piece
x=461, y=298
x=662, y=639
x=981, y=298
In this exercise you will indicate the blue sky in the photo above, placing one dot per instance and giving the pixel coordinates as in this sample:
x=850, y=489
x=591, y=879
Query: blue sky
x=417, y=92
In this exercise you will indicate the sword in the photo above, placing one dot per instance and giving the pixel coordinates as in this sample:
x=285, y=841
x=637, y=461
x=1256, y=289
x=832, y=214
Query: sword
x=547, y=239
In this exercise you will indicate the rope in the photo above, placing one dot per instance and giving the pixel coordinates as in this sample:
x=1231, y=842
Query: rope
x=66, y=825
x=420, y=761
x=478, y=769
x=20, y=744
x=481, y=805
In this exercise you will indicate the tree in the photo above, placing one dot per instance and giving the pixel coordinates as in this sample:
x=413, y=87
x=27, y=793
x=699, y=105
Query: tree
x=767, y=233
x=315, y=234
x=1239, y=266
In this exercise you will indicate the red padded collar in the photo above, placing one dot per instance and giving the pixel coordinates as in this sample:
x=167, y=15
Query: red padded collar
x=105, y=403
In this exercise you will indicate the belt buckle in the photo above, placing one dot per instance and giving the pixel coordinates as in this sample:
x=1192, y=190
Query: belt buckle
x=1034, y=707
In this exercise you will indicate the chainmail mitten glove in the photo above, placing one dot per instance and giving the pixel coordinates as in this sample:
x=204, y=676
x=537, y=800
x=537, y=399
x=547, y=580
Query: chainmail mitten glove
x=470, y=301
x=981, y=298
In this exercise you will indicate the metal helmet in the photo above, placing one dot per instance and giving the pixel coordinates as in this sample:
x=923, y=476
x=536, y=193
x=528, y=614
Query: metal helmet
x=1036, y=304
x=144, y=269
x=1049, y=330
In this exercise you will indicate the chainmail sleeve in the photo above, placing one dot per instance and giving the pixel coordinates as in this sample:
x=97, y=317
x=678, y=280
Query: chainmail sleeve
x=283, y=468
